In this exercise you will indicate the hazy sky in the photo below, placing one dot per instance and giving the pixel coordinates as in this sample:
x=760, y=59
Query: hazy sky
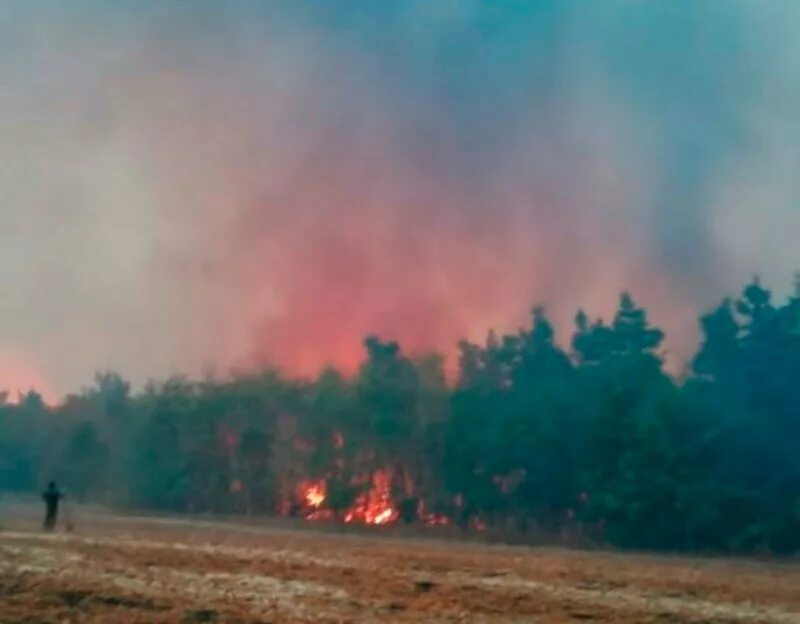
x=193, y=185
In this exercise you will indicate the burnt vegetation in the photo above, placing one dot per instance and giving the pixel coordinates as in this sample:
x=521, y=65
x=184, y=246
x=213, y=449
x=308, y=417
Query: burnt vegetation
x=594, y=440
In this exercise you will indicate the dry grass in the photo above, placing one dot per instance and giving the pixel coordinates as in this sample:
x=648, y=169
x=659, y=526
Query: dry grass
x=125, y=570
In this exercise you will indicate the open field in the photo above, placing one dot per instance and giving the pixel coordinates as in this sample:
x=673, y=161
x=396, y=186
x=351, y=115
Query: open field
x=125, y=570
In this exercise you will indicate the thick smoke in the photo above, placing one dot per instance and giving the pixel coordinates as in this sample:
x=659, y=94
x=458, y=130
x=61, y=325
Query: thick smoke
x=195, y=185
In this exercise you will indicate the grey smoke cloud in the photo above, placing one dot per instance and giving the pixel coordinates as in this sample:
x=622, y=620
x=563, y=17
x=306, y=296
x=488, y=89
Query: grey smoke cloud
x=186, y=185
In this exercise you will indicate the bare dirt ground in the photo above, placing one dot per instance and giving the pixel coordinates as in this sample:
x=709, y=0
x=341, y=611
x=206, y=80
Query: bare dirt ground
x=125, y=570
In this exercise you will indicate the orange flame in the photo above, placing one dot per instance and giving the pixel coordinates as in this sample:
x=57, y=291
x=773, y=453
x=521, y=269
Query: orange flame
x=376, y=505
x=314, y=493
x=387, y=515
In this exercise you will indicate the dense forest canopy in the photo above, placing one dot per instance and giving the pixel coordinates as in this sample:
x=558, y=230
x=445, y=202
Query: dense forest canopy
x=530, y=436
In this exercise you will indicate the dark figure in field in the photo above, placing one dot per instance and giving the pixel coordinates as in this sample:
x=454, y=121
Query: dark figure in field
x=51, y=497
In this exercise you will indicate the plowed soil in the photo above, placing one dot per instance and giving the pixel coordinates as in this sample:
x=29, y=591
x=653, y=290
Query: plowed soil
x=125, y=570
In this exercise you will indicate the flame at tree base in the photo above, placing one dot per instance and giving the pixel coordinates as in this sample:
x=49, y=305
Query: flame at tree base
x=314, y=493
x=382, y=496
x=375, y=506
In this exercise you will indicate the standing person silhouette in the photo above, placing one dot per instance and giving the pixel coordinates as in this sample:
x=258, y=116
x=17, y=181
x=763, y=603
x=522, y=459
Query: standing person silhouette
x=52, y=496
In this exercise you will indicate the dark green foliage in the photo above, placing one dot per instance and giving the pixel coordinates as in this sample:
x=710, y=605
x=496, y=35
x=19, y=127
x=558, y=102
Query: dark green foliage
x=597, y=439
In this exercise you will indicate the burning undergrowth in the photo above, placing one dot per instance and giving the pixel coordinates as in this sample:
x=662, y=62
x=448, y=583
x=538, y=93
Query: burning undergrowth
x=357, y=490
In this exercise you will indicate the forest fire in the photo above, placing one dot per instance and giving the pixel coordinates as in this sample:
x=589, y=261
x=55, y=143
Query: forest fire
x=314, y=494
x=376, y=495
x=373, y=506
x=367, y=486
x=357, y=489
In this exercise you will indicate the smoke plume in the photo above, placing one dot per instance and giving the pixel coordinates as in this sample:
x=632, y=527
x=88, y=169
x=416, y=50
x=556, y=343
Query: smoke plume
x=195, y=185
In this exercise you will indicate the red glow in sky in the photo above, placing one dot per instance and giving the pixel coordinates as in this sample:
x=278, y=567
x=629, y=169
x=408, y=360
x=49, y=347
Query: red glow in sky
x=19, y=375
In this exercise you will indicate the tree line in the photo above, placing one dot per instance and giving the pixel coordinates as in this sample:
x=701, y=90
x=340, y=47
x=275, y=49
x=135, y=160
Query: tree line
x=530, y=436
